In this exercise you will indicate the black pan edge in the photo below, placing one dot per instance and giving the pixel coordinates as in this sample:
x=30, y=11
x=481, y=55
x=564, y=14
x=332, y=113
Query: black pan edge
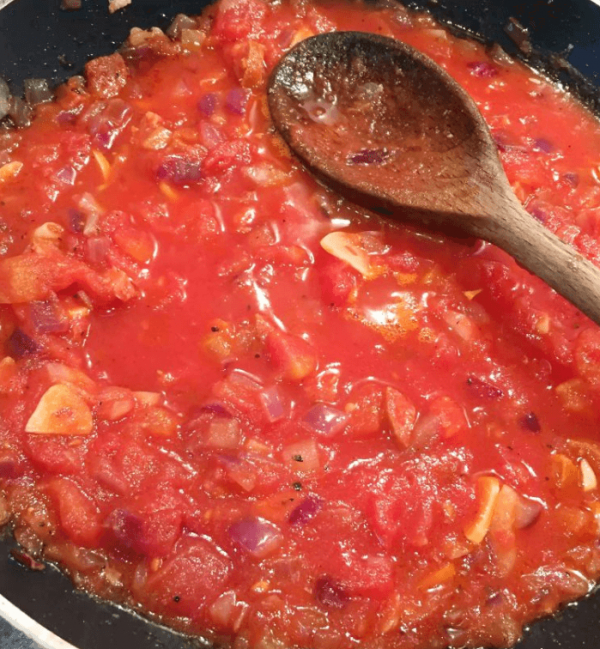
x=38, y=39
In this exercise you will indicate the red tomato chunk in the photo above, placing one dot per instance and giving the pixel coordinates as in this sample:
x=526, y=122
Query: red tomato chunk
x=234, y=402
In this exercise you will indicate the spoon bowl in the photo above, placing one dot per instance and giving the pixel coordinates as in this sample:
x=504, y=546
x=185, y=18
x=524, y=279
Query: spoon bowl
x=390, y=130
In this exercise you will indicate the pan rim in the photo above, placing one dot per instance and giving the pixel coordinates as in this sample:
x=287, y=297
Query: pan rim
x=32, y=629
x=37, y=632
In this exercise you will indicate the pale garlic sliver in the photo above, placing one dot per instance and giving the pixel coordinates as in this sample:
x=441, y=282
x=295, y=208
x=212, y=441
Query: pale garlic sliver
x=61, y=411
x=589, y=482
x=488, y=489
x=346, y=247
x=103, y=164
x=10, y=170
x=46, y=237
x=148, y=398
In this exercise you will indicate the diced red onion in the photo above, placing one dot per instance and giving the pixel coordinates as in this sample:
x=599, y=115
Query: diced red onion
x=330, y=594
x=307, y=510
x=180, y=22
x=106, y=125
x=128, y=530
x=325, y=420
x=66, y=117
x=9, y=466
x=225, y=607
x=19, y=112
x=495, y=599
x=67, y=175
x=76, y=221
x=215, y=409
x=244, y=475
x=207, y=104
x=245, y=379
x=211, y=136
x=531, y=423
x=4, y=98
x=542, y=145
x=91, y=210
x=114, y=404
x=368, y=157
x=501, y=141
x=571, y=178
x=37, y=91
x=528, y=513
x=20, y=344
x=255, y=535
x=46, y=319
x=223, y=432
x=483, y=69
x=236, y=101
x=179, y=170
x=483, y=389
x=90, y=226
x=425, y=430
x=97, y=249
x=25, y=559
x=228, y=460
x=273, y=404
x=538, y=214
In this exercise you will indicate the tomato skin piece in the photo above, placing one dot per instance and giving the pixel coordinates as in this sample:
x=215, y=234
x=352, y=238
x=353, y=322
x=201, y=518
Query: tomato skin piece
x=291, y=355
x=338, y=281
x=402, y=415
x=53, y=455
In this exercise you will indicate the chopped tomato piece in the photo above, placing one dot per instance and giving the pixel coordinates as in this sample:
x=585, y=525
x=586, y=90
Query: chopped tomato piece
x=366, y=410
x=79, y=515
x=188, y=579
x=291, y=355
x=401, y=414
x=238, y=19
x=338, y=282
x=106, y=75
x=450, y=415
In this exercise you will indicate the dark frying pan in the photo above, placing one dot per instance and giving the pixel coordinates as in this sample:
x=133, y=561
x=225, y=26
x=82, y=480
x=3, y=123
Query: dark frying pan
x=37, y=39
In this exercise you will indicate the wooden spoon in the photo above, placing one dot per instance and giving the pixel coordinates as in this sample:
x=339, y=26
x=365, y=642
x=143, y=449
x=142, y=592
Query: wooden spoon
x=389, y=129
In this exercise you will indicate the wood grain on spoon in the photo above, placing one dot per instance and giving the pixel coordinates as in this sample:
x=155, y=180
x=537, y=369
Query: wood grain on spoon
x=389, y=129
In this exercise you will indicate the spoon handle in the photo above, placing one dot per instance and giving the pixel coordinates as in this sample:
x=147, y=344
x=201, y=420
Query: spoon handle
x=545, y=255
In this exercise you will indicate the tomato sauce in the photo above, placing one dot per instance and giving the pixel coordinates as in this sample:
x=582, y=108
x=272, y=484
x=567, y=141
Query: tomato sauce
x=242, y=406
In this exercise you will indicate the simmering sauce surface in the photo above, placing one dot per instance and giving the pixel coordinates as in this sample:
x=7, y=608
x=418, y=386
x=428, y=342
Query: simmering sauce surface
x=232, y=401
